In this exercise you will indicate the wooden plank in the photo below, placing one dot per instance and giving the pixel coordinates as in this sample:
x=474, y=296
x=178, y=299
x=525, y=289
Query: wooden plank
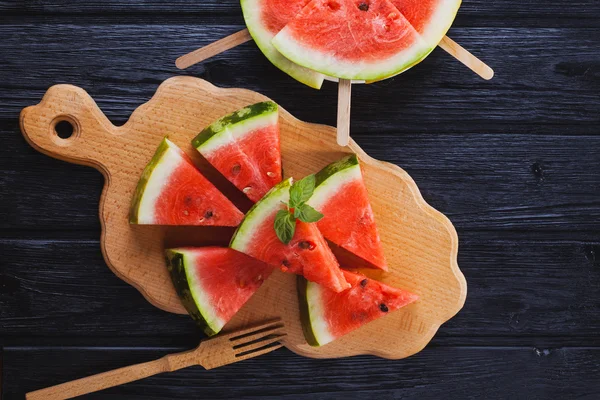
x=121, y=65
x=481, y=181
x=455, y=372
x=524, y=288
x=474, y=8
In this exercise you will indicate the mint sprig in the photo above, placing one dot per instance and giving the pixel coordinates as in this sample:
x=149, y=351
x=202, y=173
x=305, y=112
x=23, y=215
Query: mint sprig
x=296, y=209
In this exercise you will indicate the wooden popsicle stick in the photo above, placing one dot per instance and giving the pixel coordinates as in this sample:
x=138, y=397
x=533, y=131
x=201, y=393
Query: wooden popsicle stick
x=243, y=36
x=343, y=113
x=465, y=57
x=213, y=49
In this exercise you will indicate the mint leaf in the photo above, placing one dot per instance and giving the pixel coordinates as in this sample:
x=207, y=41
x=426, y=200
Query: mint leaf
x=306, y=213
x=301, y=191
x=285, y=226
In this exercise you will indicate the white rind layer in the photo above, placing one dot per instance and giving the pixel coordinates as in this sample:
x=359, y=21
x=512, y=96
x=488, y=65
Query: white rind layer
x=198, y=293
x=316, y=313
x=440, y=21
x=159, y=178
x=268, y=205
x=252, y=15
x=236, y=132
x=333, y=185
x=332, y=66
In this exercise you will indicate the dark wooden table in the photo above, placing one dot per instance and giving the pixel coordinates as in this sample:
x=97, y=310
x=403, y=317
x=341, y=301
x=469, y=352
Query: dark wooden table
x=514, y=163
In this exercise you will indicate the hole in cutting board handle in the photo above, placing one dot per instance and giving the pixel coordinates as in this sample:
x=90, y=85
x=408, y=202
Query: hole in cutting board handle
x=64, y=130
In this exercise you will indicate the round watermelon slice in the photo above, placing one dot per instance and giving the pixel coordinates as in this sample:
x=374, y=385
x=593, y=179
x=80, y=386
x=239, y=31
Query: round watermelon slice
x=213, y=283
x=244, y=147
x=327, y=315
x=341, y=196
x=171, y=191
x=352, y=39
x=264, y=18
x=306, y=254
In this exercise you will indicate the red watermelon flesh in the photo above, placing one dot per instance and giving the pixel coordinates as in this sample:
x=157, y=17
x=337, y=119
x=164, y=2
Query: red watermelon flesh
x=215, y=282
x=341, y=196
x=171, y=191
x=327, y=315
x=277, y=13
x=244, y=147
x=351, y=39
x=431, y=18
x=306, y=254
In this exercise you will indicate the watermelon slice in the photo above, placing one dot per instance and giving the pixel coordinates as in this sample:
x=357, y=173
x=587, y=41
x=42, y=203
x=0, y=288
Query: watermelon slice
x=214, y=282
x=244, y=147
x=306, y=254
x=341, y=196
x=264, y=18
x=327, y=315
x=431, y=18
x=171, y=191
x=352, y=39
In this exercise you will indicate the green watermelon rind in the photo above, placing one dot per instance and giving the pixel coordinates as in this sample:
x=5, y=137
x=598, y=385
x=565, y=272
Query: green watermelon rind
x=178, y=269
x=259, y=211
x=307, y=318
x=331, y=178
x=145, y=177
x=262, y=38
x=215, y=135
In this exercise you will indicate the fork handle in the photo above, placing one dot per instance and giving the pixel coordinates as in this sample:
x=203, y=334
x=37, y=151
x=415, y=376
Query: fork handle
x=116, y=377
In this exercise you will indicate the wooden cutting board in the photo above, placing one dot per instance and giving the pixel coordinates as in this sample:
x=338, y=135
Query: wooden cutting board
x=420, y=243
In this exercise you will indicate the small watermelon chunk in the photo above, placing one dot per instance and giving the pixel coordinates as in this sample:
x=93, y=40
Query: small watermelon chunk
x=244, y=147
x=352, y=39
x=341, y=196
x=264, y=18
x=171, y=191
x=213, y=283
x=306, y=254
x=327, y=315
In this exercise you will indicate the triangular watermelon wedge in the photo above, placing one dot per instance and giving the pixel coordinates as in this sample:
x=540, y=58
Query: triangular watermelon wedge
x=306, y=254
x=341, y=196
x=327, y=315
x=352, y=39
x=244, y=147
x=264, y=18
x=213, y=283
x=431, y=18
x=171, y=191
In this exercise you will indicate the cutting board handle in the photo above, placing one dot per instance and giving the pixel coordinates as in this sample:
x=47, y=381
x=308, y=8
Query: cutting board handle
x=91, y=130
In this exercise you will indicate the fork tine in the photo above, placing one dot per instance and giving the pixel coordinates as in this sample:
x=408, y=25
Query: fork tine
x=257, y=343
x=252, y=337
x=264, y=327
x=259, y=352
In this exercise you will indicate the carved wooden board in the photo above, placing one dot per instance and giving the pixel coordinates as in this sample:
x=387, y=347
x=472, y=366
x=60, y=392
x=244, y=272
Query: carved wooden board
x=420, y=243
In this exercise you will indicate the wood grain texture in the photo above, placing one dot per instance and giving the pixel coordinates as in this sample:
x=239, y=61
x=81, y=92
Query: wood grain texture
x=449, y=373
x=420, y=244
x=473, y=9
x=558, y=93
x=518, y=288
x=210, y=353
x=481, y=181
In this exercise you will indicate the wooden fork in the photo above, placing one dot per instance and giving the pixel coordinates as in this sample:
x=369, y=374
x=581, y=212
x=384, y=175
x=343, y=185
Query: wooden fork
x=211, y=353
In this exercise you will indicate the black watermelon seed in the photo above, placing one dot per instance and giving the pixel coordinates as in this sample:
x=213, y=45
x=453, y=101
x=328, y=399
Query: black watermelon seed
x=306, y=244
x=236, y=169
x=363, y=7
x=363, y=283
x=208, y=214
x=285, y=263
x=383, y=307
